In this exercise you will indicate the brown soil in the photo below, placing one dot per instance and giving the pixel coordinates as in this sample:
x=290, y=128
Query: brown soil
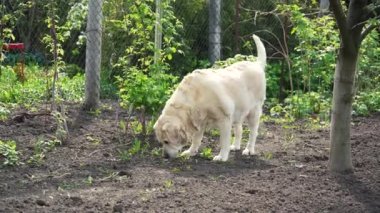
x=85, y=174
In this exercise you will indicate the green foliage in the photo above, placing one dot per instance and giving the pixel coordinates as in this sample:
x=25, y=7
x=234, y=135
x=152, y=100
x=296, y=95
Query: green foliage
x=4, y=112
x=8, y=153
x=157, y=151
x=36, y=89
x=368, y=74
x=72, y=70
x=144, y=92
x=108, y=85
x=134, y=29
x=230, y=61
x=367, y=102
x=315, y=52
x=303, y=105
x=137, y=148
x=41, y=148
x=143, y=85
x=206, y=153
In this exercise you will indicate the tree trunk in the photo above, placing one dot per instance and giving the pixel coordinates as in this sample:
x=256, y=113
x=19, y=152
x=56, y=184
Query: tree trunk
x=343, y=93
x=93, y=54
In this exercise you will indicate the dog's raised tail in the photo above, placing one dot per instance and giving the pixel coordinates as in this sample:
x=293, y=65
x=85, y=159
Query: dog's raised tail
x=261, y=53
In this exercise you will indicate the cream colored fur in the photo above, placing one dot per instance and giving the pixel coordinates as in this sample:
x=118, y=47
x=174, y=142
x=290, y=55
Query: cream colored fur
x=217, y=98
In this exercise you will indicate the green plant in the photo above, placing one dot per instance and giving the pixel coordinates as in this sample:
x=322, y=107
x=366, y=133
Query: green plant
x=124, y=155
x=89, y=180
x=314, y=55
x=302, y=105
x=4, y=113
x=62, y=131
x=157, y=151
x=230, y=61
x=42, y=147
x=268, y=155
x=168, y=184
x=146, y=93
x=366, y=102
x=35, y=90
x=8, y=153
x=72, y=70
x=215, y=132
x=136, y=127
x=137, y=148
x=206, y=153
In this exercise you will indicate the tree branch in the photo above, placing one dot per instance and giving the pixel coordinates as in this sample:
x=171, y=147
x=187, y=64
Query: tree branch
x=367, y=30
x=341, y=20
x=372, y=12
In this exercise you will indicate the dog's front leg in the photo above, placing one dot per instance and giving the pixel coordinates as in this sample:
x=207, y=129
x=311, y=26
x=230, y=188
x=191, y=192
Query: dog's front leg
x=225, y=135
x=195, y=143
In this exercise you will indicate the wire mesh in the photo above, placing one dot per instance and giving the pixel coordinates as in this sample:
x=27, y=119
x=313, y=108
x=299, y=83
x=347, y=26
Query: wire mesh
x=28, y=22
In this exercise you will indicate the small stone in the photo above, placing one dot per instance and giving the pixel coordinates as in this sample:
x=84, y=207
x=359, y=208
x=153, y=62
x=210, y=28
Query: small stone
x=124, y=173
x=41, y=203
x=118, y=208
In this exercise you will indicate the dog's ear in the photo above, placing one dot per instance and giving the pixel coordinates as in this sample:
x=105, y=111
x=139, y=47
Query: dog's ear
x=185, y=135
x=165, y=127
x=196, y=116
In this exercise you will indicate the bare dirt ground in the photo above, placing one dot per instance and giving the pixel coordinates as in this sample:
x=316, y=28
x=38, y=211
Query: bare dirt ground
x=85, y=174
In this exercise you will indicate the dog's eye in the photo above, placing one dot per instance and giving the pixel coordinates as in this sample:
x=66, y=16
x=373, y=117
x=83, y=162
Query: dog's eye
x=166, y=142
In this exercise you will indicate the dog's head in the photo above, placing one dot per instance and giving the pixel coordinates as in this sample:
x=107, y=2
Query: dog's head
x=170, y=131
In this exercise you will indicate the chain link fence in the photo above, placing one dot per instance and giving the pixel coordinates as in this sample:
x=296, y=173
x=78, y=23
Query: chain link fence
x=34, y=32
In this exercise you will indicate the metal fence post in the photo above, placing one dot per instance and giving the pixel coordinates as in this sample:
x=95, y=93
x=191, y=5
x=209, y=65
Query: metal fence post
x=214, y=30
x=93, y=54
x=158, y=32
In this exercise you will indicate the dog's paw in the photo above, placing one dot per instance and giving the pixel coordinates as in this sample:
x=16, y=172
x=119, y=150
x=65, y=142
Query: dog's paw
x=234, y=147
x=188, y=153
x=248, y=152
x=219, y=158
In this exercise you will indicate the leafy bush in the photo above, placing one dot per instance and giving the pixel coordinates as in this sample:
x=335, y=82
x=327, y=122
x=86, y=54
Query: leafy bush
x=148, y=93
x=8, y=153
x=314, y=56
x=72, y=70
x=230, y=61
x=368, y=74
x=4, y=112
x=37, y=87
x=366, y=102
x=302, y=105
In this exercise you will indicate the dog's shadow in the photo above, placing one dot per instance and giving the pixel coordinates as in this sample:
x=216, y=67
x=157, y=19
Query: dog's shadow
x=199, y=167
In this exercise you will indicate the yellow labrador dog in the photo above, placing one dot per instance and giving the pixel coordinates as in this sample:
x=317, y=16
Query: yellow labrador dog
x=218, y=98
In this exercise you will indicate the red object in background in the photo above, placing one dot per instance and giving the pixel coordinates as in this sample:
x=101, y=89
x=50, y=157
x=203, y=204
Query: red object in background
x=14, y=46
x=19, y=68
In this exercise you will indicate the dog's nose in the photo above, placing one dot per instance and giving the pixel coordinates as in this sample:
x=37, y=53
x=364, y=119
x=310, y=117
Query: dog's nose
x=166, y=155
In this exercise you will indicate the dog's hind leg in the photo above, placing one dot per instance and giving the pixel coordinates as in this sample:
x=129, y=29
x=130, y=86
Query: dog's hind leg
x=195, y=143
x=238, y=132
x=253, y=124
x=225, y=136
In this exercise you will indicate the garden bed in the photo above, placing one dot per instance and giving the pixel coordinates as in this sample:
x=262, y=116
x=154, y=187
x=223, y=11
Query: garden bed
x=87, y=174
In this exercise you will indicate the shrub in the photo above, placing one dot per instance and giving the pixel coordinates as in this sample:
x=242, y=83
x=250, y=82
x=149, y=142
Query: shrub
x=366, y=102
x=8, y=153
x=146, y=92
x=302, y=105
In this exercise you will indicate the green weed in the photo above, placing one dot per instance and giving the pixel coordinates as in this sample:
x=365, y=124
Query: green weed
x=206, y=153
x=8, y=153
